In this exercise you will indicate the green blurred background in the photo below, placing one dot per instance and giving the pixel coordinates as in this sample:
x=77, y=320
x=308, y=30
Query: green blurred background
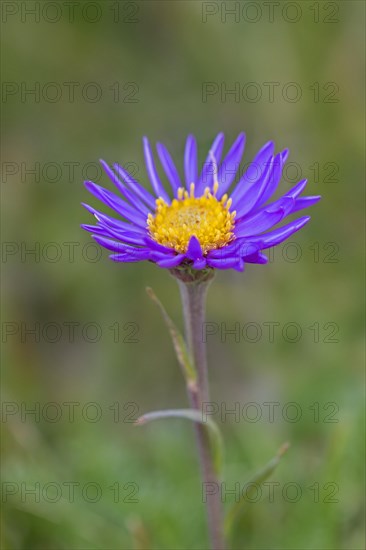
x=160, y=55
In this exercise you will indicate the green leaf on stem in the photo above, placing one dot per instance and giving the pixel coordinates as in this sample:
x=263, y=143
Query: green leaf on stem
x=213, y=431
x=179, y=344
x=252, y=485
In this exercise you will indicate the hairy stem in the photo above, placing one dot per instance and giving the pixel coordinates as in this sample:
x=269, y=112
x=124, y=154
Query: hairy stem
x=193, y=294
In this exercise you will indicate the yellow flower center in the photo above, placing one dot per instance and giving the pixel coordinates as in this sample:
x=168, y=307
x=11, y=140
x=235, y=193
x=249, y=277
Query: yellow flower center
x=206, y=217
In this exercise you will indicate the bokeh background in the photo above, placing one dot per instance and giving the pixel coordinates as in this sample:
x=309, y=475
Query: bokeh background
x=100, y=354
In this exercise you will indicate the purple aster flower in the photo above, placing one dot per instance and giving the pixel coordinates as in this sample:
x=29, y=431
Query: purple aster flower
x=203, y=221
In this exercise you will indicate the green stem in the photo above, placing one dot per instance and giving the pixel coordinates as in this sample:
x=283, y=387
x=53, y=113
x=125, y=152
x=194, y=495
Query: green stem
x=193, y=291
x=193, y=297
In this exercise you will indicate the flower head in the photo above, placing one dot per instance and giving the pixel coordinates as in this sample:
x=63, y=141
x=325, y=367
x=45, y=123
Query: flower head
x=206, y=222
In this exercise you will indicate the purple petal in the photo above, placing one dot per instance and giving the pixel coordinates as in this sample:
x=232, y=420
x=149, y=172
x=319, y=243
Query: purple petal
x=265, y=219
x=240, y=247
x=230, y=165
x=293, y=192
x=129, y=237
x=190, y=161
x=136, y=187
x=170, y=261
x=200, y=264
x=194, y=250
x=124, y=237
x=153, y=174
x=251, y=196
x=278, y=235
x=297, y=190
x=285, y=203
x=284, y=155
x=113, y=222
x=128, y=252
x=211, y=170
x=254, y=173
x=94, y=229
x=129, y=195
x=130, y=257
x=257, y=258
x=275, y=178
x=156, y=246
x=115, y=246
x=116, y=203
x=259, y=223
x=207, y=175
x=169, y=167
x=232, y=262
x=304, y=202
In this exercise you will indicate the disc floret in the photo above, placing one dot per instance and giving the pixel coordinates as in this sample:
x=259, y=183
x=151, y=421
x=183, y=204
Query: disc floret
x=206, y=217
